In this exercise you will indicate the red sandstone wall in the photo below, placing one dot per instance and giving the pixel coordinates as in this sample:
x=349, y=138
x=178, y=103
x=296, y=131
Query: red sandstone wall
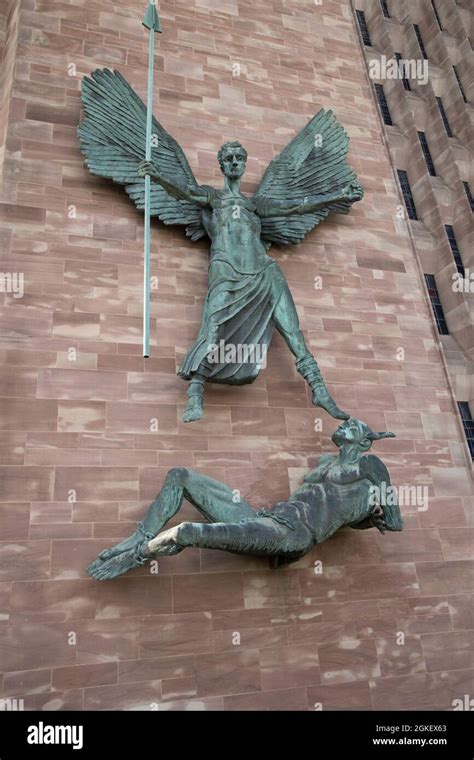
x=85, y=424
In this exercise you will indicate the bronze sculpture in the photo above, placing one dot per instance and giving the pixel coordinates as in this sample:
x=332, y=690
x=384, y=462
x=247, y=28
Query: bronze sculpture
x=348, y=489
x=248, y=295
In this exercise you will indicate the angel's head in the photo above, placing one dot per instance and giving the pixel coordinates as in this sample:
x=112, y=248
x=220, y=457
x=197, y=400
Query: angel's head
x=356, y=432
x=232, y=158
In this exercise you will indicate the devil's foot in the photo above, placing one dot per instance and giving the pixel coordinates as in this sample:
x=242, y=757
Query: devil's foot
x=322, y=398
x=104, y=570
x=125, y=545
x=128, y=543
x=194, y=409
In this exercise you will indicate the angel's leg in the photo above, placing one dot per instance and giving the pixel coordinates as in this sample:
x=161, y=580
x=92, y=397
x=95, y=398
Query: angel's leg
x=287, y=323
x=194, y=408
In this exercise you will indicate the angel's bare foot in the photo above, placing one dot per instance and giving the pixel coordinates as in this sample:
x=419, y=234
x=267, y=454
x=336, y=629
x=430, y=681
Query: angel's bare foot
x=308, y=368
x=194, y=409
x=322, y=398
x=128, y=543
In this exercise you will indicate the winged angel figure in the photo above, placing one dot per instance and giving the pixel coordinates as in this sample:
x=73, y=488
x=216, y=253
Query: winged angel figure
x=248, y=296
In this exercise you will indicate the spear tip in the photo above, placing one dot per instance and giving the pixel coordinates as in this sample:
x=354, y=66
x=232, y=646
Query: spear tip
x=152, y=19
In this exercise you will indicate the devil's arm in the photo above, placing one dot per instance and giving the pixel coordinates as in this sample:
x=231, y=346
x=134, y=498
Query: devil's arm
x=317, y=475
x=372, y=468
x=388, y=495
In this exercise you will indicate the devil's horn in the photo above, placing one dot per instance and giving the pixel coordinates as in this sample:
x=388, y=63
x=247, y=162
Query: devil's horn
x=378, y=436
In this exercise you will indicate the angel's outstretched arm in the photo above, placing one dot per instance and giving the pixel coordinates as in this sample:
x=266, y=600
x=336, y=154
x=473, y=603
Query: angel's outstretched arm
x=267, y=207
x=175, y=188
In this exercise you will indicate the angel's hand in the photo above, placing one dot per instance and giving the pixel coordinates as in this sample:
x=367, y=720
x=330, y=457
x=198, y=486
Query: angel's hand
x=378, y=520
x=353, y=192
x=146, y=167
x=173, y=187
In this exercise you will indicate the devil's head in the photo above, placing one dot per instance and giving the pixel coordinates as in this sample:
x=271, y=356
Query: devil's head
x=356, y=432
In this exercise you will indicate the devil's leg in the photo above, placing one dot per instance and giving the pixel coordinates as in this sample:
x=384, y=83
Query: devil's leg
x=213, y=499
x=250, y=536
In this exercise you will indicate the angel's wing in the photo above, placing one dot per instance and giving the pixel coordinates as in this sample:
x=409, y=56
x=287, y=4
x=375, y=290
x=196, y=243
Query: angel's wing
x=313, y=163
x=113, y=137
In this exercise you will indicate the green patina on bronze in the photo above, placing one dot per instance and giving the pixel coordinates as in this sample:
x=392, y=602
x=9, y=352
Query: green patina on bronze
x=351, y=489
x=248, y=296
x=151, y=20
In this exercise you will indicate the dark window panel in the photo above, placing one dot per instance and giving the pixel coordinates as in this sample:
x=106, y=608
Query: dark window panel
x=407, y=194
x=426, y=153
x=468, y=424
x=467, y=190
x=385, y=10
x=455, y=249
x=436, y=304
x=386, y=115
x=363, y=28
x=444, y=117
x=460, y=84
x=420, y=40
x=435, y=11
x=401, y=67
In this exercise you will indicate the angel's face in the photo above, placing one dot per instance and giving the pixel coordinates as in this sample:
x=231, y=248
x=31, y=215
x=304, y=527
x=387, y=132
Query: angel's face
x=233, y=163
